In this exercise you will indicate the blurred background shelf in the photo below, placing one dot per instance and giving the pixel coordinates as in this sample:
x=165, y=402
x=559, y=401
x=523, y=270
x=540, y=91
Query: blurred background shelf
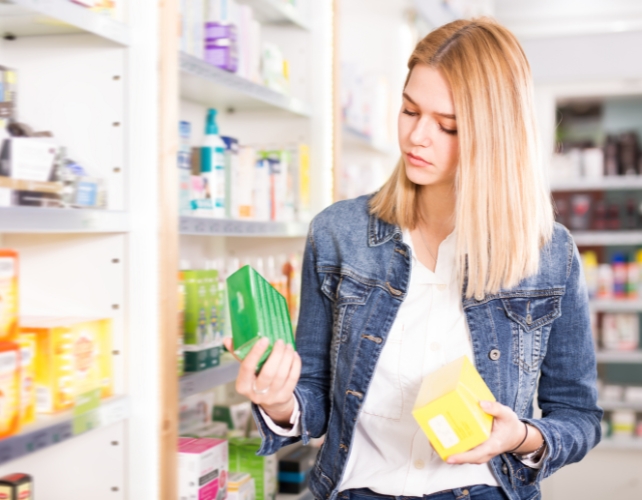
x=60, y=220
x=50, y=430
x=619, y=357
x=604, y=238
x=206, y=84
x=600, y=305
x=53, y=17
x=619, y=405
x=276, y=12
x=352, y=137
x=229, y=227
x=193, y=383
x=620, y=444
x=304, y=495
x=614, y=183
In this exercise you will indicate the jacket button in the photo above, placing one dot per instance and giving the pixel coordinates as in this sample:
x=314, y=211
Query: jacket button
x=529, y=319
x=505, y=469
x=396, y=237
x=494, y=354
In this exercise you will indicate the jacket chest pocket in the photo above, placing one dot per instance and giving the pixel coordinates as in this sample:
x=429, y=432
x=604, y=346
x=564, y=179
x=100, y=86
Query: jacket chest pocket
x=531, y=317
x=343, y=289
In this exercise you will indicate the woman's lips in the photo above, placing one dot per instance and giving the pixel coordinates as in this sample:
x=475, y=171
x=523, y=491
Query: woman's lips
x=416, y=161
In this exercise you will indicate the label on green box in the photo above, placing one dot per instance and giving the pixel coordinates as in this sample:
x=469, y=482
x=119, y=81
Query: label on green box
x=85, y=412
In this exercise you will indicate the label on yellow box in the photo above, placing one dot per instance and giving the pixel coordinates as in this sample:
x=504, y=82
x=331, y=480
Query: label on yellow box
x=27, y=343
x=9, y=388
x=447, y=408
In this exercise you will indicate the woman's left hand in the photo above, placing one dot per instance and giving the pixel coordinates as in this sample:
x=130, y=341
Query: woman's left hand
x=507, y=434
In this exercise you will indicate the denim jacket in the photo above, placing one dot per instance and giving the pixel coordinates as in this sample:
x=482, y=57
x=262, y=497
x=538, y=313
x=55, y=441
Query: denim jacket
x=533, y=337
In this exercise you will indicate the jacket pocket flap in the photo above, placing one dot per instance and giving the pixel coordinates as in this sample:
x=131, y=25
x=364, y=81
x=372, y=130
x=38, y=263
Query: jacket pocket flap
x=533, y=312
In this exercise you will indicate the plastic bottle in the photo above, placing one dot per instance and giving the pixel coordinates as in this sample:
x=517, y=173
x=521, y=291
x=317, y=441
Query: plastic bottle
x=590, y=272
x=213, y=164
x=619, y=275
x=632, y=278
x=604, y=281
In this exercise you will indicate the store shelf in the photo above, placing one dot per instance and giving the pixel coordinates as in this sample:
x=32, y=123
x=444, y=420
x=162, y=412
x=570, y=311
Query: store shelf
x=206, y=84
x=616, y=306
x=634, y=444
x=276, y=12
x=606, y=238
x=614, y=183
x=619, y=405
x=619, y=357
x=59, y=220
x=193, y=383
x=56, y=17
x=354, y=138
x=51, y=430
x=228, y=227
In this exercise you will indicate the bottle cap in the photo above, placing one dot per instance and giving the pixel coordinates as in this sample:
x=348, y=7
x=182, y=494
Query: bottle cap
x=211, y=128
x=618, y=258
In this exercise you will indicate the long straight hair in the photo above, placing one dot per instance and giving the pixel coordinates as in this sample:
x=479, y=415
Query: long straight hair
x=503, y=213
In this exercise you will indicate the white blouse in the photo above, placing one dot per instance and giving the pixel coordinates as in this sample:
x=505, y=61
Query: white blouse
x=390, y=454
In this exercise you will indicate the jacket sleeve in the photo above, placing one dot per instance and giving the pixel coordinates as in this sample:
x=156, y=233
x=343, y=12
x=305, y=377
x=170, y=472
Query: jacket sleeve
x=313, y=338
x=567, y=391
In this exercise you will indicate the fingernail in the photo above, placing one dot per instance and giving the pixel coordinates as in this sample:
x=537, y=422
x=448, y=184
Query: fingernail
x=289, y=347
x=485, y=404
x=450, y=461
x=264, y=341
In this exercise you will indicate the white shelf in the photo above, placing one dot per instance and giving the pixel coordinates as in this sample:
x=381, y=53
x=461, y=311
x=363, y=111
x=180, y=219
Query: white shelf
x=623, y=305
x=606, y=238
x=50, y=430
x=59, y=220
x=619, y=357
x=354, y=138
x=619, y=405
x=620, y=444
x=206, y=84
x=193, y=383
x=229, y=227
x=613, y=183
x=55, y=17
x=276, y=12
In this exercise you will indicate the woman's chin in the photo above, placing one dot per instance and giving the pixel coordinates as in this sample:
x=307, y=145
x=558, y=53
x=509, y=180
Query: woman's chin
x=420, y=176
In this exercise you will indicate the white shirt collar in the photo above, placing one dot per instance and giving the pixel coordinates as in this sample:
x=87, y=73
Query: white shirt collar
x=444, y=271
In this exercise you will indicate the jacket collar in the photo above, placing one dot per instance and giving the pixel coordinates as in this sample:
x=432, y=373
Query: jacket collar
x=379, y=231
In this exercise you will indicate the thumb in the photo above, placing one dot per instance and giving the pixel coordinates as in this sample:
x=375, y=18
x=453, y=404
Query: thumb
x=491, y=407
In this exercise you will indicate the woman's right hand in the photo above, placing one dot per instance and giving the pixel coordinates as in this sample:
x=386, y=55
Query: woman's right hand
x=273, y=388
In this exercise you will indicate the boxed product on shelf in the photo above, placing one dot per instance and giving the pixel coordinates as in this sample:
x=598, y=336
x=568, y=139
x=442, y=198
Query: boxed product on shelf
x=17, y=486
x=623, y=423
x=620, y=332
x=27, y=343
x=28, y=158
x=10, y=389
x=256, y=311
x=295, y=468
x=221, y=47
x=263, y=469
x=184, y=167
x=202, y=468
x=241, y=486
x=9, y=294
x=73, y=359
x=8, y=87
x=195, y=413
x=235, y=416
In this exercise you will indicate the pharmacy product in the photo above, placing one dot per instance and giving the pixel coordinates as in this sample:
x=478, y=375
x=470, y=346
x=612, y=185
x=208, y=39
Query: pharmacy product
x=256, y=310
x=638, y=259
x=73, y=360
x=589, y=260
x=244, y=190
x=27, y=343
x=180, y=355
x=632, y=278
x=232, y=177
x=262, y=189
x=447, y=408
x=303, y=205
x=195, y=412
x=213, y=164
x=16, y=486
x=9, y=389
x=604, y=281
x=243, y=458
x=198, y=338
x=619, y=275
x=620, y=332
x=202, y=469
x=184, y=166
x=295, y=468
x=623, y=423
x=240, y=486
x=8, y=295
x=235, y=416
x=221, y=46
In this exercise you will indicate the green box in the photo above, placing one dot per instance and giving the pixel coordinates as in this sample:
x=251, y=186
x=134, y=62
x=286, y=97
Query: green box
x=243, y=458
x=257, y=310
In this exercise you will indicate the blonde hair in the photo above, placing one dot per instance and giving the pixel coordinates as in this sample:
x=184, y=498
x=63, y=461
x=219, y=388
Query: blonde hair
x=503, y=212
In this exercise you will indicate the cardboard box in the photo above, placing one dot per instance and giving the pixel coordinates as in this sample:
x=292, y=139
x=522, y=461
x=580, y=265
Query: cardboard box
x=257, y=310
x=202, y=469
x=9, y=389
x=73, y=359
x=295, y=468
x=241, y=487
x=243, y=458
x=28, y=158
x=447, y=408
x=16, y=487
x=9, y=297
x=27, y=343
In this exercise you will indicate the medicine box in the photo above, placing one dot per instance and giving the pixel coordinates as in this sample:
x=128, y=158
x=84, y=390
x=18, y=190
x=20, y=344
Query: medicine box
x=27, y=343
x=447, y=408
x=16, y=486
x=73, y=359
x=8, y=295
x=257, y=310
x=202, y=469
x=9, y=389
x=295, y=468
x=263, y=469
x=241, y=487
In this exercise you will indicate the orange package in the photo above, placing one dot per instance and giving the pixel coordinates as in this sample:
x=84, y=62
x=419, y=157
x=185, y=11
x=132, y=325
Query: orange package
x=9, y=389
x=8, y=295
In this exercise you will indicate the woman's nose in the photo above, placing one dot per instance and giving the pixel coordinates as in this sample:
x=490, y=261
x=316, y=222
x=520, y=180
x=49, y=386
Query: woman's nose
x=420, y=135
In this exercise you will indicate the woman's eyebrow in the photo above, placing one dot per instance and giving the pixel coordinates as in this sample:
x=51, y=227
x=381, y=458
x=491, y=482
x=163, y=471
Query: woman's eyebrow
x=444, y=115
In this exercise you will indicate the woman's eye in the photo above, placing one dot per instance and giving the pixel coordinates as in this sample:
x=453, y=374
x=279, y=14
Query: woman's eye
x=448, y=130
x=409, y=113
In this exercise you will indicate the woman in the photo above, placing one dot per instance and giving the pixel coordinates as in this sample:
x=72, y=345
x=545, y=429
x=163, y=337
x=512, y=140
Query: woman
x=458, y=254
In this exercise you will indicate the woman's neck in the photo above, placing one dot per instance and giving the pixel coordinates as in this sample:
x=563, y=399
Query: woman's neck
x=437, y=209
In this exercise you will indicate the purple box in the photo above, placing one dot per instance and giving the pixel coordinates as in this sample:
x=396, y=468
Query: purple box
x=222, y=57
x=221, y=48
x=218, y=31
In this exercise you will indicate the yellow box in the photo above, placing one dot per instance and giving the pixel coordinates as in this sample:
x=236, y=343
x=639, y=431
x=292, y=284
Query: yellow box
x=73, y=357
x=27, y=343
x=447, y=408
x=9, y=388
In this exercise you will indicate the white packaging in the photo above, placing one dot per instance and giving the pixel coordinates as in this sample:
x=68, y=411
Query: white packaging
x=262, y=190
x=202, y=469
x=195, y=412
x=612, y=393
x=593, y=163
x=629, y=332
x=604, y=281
x=245, y=186
x=633, y=394
x=254, y=68
x=241, y=486
x=622, y=423
x=610, y=334
x=28, y=158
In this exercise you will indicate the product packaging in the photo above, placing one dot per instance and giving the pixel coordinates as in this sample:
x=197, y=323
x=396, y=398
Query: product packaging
x=234, y=416
x=73, y=360
x=244, y=189
x=256, y=310
x=16, y=486
x=262, y=189
x=619, y=275
x=240, y=486
x=195, y=413
x=447, y=408
x=243, y=458
x=8, y=86
x=180, y=355
x=232, y=177
x=184, y=167
x=10, y=409
x=27, y=343
x=28, y=158
x=202, y=469
x=221, y=46
x=213, y=164
x=8, y=295
x=620, y=332
x=623, y=423
x=589, y=260
x=295, y=468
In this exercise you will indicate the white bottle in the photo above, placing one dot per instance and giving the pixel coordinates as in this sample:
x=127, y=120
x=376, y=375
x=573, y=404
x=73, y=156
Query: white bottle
x=213, y=164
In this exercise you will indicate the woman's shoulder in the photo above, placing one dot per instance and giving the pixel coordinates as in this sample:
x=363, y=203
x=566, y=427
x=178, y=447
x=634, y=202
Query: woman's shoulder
x=558, y=254
x=344, y=217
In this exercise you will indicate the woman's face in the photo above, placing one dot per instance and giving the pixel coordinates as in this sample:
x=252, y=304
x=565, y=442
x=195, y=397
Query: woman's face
x=428, y=129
